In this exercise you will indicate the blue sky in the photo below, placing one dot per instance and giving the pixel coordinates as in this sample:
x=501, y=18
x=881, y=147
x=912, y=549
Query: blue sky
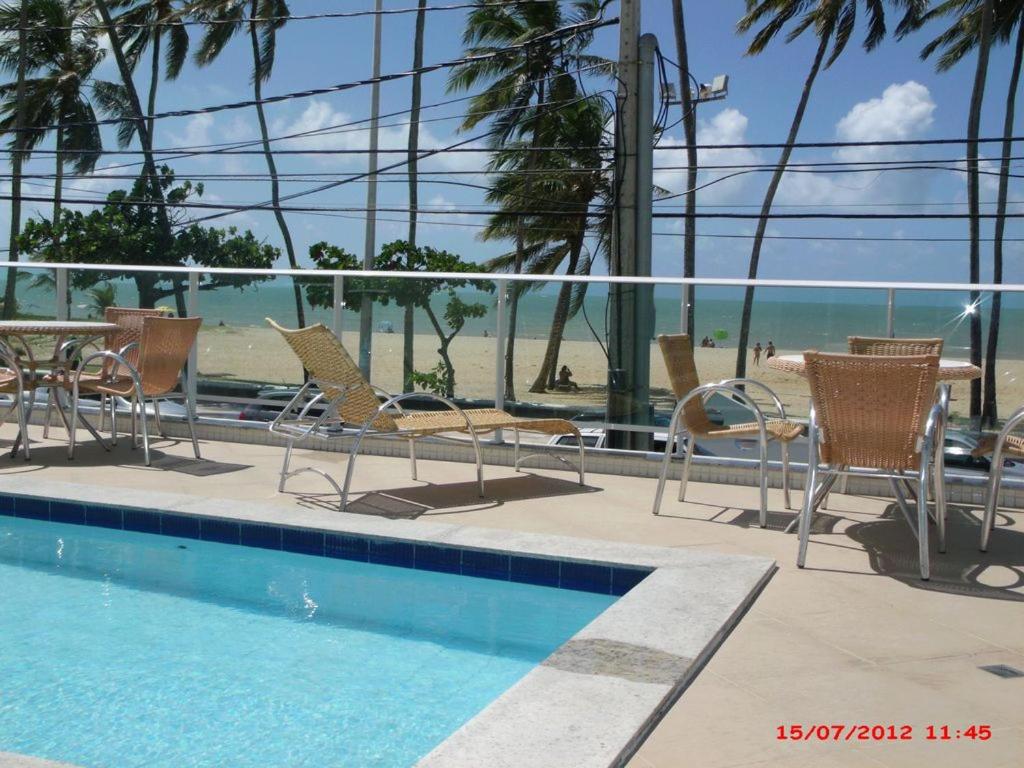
x=887, y=94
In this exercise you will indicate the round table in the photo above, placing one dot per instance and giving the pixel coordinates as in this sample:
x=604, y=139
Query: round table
x=87, y=330
x=949, y=369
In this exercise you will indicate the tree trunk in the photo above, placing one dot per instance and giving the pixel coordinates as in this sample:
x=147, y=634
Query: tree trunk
x=690, y=127
x=275, y=186
x=10, y=295
x=546, y=376
x=145, y=284
x=149, y=165
x=990, y=409
x=154, y=79
x=408, y=330
x=446, y=340
x=517, y=267
x=58, y=184
x=766, y=207
x=974, y=222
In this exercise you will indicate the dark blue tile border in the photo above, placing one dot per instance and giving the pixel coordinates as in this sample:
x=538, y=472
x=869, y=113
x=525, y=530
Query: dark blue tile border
x=522, y=569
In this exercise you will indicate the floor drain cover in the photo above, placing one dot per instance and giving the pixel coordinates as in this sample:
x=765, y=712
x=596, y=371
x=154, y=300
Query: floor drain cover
x=1003, y=670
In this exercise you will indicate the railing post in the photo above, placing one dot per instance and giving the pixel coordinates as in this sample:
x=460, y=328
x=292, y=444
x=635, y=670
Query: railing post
x=890, y=315
x=501, y=331
x=684, y=307
x=193, y=355
x=61, y=283
x=338, y=303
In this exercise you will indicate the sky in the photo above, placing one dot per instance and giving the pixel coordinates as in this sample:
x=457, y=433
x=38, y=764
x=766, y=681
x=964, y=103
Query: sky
x=887, y=94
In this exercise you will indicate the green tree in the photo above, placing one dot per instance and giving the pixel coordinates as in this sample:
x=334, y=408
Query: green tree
x=446, y=322
x=963, y=36
x=146, y=23
x=832, y=23
x=521, y=90
x=127, y=229
x=61, y=58
x=234, y=17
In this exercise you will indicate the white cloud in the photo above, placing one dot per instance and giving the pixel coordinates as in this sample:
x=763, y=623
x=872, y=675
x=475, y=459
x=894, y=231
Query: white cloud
x=903, y=111
x=196, y=132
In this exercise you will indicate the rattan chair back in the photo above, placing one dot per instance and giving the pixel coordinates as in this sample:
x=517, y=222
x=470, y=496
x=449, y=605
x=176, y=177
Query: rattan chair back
x=871, y=409
x=677, y=350
x=163, y=351
x=869, y=345
x=326, y=360
x=129, y=331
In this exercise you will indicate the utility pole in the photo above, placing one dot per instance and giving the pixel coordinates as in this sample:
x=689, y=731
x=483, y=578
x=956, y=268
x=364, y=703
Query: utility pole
x=686, y=320
x=631, y=324
x=370, y=243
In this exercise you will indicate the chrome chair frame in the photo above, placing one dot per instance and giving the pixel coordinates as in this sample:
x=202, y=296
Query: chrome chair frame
x=300, y=429
x=138, y=401
x=10, y=360
x=932, y=468
x=705, y=391
x=995, y=478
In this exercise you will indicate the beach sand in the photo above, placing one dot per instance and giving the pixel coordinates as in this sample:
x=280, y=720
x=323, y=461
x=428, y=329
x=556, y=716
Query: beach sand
x=260, y=354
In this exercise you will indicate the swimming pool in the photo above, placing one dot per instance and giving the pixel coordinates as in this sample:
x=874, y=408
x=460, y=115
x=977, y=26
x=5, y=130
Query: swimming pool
x=123, y=648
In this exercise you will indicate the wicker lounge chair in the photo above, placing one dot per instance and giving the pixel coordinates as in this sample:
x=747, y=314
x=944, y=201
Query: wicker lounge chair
x=691, y=414
x=1002, y=445
x=872, y=345
x=345, y=397
x=160, y=356
x=875, y=415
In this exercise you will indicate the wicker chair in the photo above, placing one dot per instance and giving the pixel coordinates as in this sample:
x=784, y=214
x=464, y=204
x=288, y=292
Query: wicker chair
x=160, y=356
x=875, y=415
x=12, y=382
x=125, y=342
x=345, y=397
x=871, y=345
x=1001, y=445
x=691, y=414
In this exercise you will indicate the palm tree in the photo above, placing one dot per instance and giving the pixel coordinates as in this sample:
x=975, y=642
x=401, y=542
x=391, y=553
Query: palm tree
x=562, y=191
x=145, y=23
x=10, y=288
x=100, y=297
x=690, y=128
x=134, y=108
x=517, y=90
x=231, y=19
x=408, y=363
x=833, y=22
x=62, y=58
x=960, y=38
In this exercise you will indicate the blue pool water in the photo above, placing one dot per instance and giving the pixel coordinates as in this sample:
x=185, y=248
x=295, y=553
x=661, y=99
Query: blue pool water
x=128, y=649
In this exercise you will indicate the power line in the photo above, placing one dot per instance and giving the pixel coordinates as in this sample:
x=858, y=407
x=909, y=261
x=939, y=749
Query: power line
x=558, y=34
x=274, y=19
x=841, y=144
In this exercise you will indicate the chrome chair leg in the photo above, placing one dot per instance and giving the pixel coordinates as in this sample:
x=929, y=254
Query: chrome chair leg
x=113, y=419
x=670, y=439
x=412, y=459
x=922, y=511
x=785, y=476
x=810, y=490
x=285, y=464
x=49, y=413
x=690, y=442
x=133, y=403
x=190, y=419
x=156, y=416
x=995, y=479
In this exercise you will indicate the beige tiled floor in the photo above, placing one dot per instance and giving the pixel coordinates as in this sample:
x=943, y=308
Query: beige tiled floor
x=855, y=638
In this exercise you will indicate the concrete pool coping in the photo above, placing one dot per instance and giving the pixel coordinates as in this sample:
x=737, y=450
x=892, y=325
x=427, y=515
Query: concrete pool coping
x=597, y=697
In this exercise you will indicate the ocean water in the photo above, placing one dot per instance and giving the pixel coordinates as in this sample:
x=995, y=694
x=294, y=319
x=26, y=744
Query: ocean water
x=792, y=318
x=123, y=649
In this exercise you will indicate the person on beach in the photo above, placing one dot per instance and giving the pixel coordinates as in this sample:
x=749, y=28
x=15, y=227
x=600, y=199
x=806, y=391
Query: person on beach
x=757, y=353
x=565, y=379
x=769, y=351
x=705, y=341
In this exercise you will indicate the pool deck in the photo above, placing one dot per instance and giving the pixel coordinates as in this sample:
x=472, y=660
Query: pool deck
x=854, y=639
